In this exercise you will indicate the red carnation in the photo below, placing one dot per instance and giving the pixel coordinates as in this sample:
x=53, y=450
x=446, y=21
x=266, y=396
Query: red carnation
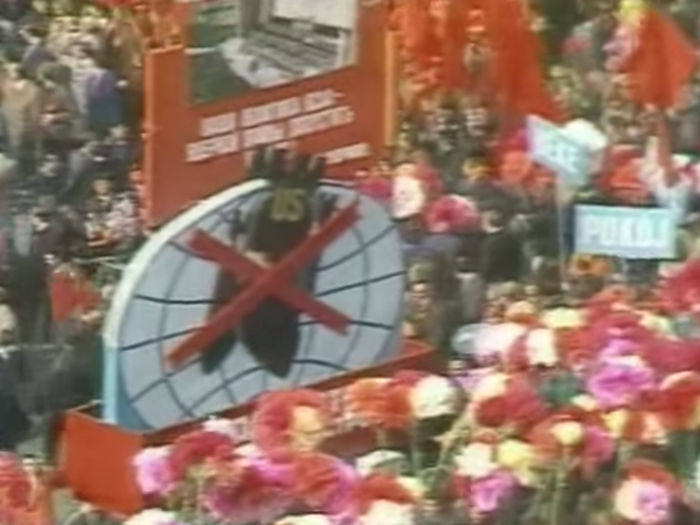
x=273, y=418
x=15, y=484
x=321, y=482
x=380, y=487
x=196, y=448
x=519, y=408
x=383, y=404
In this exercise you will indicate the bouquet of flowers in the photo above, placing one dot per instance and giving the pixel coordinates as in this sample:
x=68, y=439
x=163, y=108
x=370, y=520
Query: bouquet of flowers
x=588, y=415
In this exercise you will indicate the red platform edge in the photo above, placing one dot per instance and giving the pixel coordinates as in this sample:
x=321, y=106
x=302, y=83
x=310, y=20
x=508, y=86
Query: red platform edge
x=96, y=457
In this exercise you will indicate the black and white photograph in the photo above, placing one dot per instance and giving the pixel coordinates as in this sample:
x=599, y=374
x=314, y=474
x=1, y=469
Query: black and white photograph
x=236, y=46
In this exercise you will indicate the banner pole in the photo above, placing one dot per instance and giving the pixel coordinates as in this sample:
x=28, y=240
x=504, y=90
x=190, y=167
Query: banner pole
x=561, y=232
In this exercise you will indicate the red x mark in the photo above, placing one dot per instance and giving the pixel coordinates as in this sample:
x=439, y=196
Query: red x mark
x=274, y=281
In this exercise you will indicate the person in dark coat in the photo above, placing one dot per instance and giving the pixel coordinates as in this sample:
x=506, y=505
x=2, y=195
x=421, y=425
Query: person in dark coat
x=14, y=422
x=501, y=250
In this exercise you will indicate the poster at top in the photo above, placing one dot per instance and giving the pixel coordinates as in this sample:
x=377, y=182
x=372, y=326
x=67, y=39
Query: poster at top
x=311, y=76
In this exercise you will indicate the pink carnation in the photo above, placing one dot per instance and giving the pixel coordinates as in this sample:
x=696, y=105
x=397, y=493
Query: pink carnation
x=153, y=473
x=619, y=383
x=488, y=493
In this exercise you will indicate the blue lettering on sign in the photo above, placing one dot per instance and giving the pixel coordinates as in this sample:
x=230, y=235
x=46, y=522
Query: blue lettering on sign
x=550, y=147
x=630, y=233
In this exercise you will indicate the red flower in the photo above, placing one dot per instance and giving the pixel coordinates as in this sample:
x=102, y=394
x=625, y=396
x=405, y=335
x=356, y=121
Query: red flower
x=593, y=449
x=196, y=448
x=669, y=356
x=676, y=402
x=273, y=418
x=384, y=404
x=15, y=484
x=574, y=345
x=654, y=472
x=322, y=482
x=520, y=408
x=247, y=494
x=380, y=487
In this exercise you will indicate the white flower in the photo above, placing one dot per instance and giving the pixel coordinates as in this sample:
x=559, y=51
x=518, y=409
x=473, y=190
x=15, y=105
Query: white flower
x=433, y=396
x=220, y=426
x=384, y=512
x=541, y=347
x=153, y=517
x=248, y=450
x=305, y=519
x=476, y=460
x=413, y=485
x=490, y=386
x=494, y=340
x=381, y=460
x=562, y=318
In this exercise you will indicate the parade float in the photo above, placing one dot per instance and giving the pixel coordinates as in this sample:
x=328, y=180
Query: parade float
x=284, y=281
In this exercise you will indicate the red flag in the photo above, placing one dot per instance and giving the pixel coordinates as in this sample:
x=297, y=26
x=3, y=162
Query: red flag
x=659, y=67
x=413, y=21
x=517, y=61
x=662, y=63
x=454, y=39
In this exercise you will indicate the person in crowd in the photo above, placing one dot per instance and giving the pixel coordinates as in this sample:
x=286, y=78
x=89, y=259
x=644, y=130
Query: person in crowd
x=428, y=319
x=99, y=92
x=20, y=107
x=501, y=250
x=37, y=53
x=60, y=122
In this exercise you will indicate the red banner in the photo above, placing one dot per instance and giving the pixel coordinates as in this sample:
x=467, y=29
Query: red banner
x=257, y=74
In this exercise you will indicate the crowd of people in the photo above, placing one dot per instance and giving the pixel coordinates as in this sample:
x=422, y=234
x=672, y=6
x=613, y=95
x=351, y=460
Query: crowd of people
x=68, y=143
x=486, y=226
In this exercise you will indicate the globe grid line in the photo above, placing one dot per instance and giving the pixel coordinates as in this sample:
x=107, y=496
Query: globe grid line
x=312, y=335
x=257, y=369
x=345, y=287
x=363, y=308
x=363, y=323
x=351, y=255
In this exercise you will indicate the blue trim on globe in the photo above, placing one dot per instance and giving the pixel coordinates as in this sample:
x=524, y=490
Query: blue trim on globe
x=121, y=413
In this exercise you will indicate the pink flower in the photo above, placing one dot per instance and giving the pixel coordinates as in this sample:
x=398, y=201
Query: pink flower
x=153, y=473
x=256, y=492
x=616, y=347
x=619, y=383
x=598, y=448
x=643, y=502
x=487, y=493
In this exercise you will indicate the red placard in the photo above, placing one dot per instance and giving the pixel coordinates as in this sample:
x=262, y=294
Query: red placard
x=314, y=80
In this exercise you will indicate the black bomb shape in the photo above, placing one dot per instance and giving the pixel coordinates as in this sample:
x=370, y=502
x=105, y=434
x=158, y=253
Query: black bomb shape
x=274, y=228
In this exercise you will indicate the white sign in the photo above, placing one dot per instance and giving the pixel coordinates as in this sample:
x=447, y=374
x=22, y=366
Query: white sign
x=553, y=148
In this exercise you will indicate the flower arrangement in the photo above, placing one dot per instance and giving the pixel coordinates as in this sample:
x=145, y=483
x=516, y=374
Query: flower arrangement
x=587, y=415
